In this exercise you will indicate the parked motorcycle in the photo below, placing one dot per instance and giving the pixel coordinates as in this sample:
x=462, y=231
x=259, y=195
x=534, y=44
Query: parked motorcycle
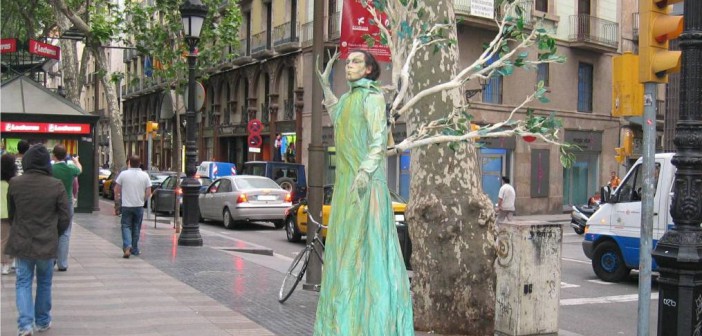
x=580, y=215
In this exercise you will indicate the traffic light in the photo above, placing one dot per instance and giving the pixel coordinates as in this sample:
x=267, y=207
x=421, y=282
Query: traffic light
x=627, y=91
x=656, y=28
x=628, y=143
x=620, y=157
x=151, y=127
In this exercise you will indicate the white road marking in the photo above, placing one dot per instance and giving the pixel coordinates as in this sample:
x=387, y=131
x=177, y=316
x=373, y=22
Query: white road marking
x=605, y=299
x=600, y=282
x=577, y=261
x=567, y=285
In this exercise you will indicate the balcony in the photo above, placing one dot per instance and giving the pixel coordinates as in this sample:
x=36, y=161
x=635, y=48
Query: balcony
x=463, y=11
x=635, y=25
x=592, y=33
x=334, y=26
x=260, y=46
x=243, y=53
x=306, y=34
x=285, y=37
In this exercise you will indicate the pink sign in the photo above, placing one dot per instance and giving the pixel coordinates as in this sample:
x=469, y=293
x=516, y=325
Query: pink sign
x=44, y=49
x=32, y=127
x=8, y=45
x=357, y=22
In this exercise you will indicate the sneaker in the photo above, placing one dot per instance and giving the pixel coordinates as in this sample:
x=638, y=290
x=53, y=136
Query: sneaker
x=25, y=332
x=127, y=253
x=44, y=328
x=135, y=252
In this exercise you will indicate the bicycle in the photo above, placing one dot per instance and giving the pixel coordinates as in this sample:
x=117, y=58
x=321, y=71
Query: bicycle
x=299, y=265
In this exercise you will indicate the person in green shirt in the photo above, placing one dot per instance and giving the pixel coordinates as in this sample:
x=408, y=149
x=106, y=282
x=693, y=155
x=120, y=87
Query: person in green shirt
x=66, y=173
x=8, y=170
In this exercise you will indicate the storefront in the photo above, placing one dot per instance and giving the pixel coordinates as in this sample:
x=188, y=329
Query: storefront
x=33, y=113
x=580, y=181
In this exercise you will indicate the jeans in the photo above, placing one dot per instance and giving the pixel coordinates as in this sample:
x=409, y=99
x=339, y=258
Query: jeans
x=62, y=261
x=39, y=310
x=131, y=227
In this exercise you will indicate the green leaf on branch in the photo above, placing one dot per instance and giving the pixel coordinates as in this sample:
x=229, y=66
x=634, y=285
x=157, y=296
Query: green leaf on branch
x=370, y=41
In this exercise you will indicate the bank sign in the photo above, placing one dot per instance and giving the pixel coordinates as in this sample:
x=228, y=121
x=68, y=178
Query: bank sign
x=51, y=128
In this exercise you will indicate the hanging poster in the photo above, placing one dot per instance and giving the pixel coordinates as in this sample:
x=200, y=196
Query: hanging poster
x=356, y=26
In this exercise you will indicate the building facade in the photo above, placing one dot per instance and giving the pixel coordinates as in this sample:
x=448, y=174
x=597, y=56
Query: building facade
x=269, y=77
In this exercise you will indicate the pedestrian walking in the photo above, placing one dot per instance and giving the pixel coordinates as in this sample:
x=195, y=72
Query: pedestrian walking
x=133, y=187
x=8, y=170
x=290, y=153
x=22, y=147
x=505, y=201
x=277, y=156
x=38, y=211
x=66, y=173
x=366, y=288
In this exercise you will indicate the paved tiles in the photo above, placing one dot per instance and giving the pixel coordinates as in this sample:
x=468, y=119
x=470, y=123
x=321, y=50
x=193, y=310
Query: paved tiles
x=103, y=294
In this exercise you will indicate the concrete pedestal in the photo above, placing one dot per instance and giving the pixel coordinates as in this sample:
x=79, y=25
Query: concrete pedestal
x=528, y=268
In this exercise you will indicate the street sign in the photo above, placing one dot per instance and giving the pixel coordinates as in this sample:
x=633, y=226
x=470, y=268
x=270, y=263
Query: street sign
x=254, y=127
x=255, y=141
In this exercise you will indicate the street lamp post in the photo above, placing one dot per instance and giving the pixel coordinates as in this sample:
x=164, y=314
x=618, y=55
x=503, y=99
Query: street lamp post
x=679, y=252
x=193, y=13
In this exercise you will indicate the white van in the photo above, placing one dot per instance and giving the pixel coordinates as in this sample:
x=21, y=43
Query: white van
x=612, y=234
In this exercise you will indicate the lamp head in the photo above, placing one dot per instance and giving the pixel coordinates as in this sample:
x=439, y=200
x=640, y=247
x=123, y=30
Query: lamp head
x=193, y=13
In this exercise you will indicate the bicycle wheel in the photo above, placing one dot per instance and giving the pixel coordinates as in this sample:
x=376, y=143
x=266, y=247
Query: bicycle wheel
x=294, y=275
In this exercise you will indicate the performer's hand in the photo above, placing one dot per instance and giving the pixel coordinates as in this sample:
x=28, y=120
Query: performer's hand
x=360, y=184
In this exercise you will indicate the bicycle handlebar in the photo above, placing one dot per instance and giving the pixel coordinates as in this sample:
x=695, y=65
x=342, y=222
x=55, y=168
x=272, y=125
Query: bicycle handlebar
x=319, y=225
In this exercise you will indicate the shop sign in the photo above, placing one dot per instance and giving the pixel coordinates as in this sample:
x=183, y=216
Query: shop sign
x=54, y=128
x=8, y=45
x=589, y=141
x=44, y=49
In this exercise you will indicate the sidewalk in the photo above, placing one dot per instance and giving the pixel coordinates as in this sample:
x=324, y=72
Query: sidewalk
x=104, y=294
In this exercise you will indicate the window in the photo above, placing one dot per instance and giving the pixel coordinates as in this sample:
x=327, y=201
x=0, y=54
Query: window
x=224, y=186
x=542, y=73
x=492, y=93
x=584, y=87
x=541, y=5
x=631, y=189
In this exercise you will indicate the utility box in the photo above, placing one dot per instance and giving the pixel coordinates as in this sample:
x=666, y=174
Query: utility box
x=528, y=269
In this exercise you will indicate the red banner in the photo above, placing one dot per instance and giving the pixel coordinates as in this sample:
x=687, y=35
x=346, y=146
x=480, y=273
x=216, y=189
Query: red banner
x=357, y=22
x=55, y=128
x=44, y=49
x=8, y=45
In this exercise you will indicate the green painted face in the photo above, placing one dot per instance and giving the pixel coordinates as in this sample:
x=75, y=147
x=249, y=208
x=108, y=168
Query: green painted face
x=356, y=67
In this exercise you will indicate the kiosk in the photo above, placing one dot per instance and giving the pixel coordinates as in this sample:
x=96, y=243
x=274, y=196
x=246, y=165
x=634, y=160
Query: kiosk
x=38, y=115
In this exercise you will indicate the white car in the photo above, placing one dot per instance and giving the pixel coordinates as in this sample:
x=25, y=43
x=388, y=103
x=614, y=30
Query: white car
x=242, y=198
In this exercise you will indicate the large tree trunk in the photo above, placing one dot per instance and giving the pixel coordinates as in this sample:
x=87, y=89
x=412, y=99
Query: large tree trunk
x=451, y=220
x=113, y=109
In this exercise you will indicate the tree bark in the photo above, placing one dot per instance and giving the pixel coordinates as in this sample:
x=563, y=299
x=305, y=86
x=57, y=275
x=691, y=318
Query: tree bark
x=113, y=109
x=451, y=220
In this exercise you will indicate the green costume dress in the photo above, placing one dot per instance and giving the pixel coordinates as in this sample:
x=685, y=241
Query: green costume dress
x=365, y=288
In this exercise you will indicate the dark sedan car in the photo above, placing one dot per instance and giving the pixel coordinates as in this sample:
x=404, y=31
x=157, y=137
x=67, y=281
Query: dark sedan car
x=164, y=197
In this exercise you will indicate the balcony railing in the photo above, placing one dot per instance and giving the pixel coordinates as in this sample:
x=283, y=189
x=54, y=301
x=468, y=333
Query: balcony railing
x=334, y=26
x=635, y=24
x=258, y=42
x=286, y=38
x=462, y=7
x=588, y=29
x=243, y=53
x=306, y=34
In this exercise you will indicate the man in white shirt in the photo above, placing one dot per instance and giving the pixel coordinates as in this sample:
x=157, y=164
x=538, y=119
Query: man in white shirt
x=505, y=203
x=133, y=187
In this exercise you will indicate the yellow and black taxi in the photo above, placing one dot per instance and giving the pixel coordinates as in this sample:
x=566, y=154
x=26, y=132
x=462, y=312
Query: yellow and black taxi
x=103, y=174
x=296, y=220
